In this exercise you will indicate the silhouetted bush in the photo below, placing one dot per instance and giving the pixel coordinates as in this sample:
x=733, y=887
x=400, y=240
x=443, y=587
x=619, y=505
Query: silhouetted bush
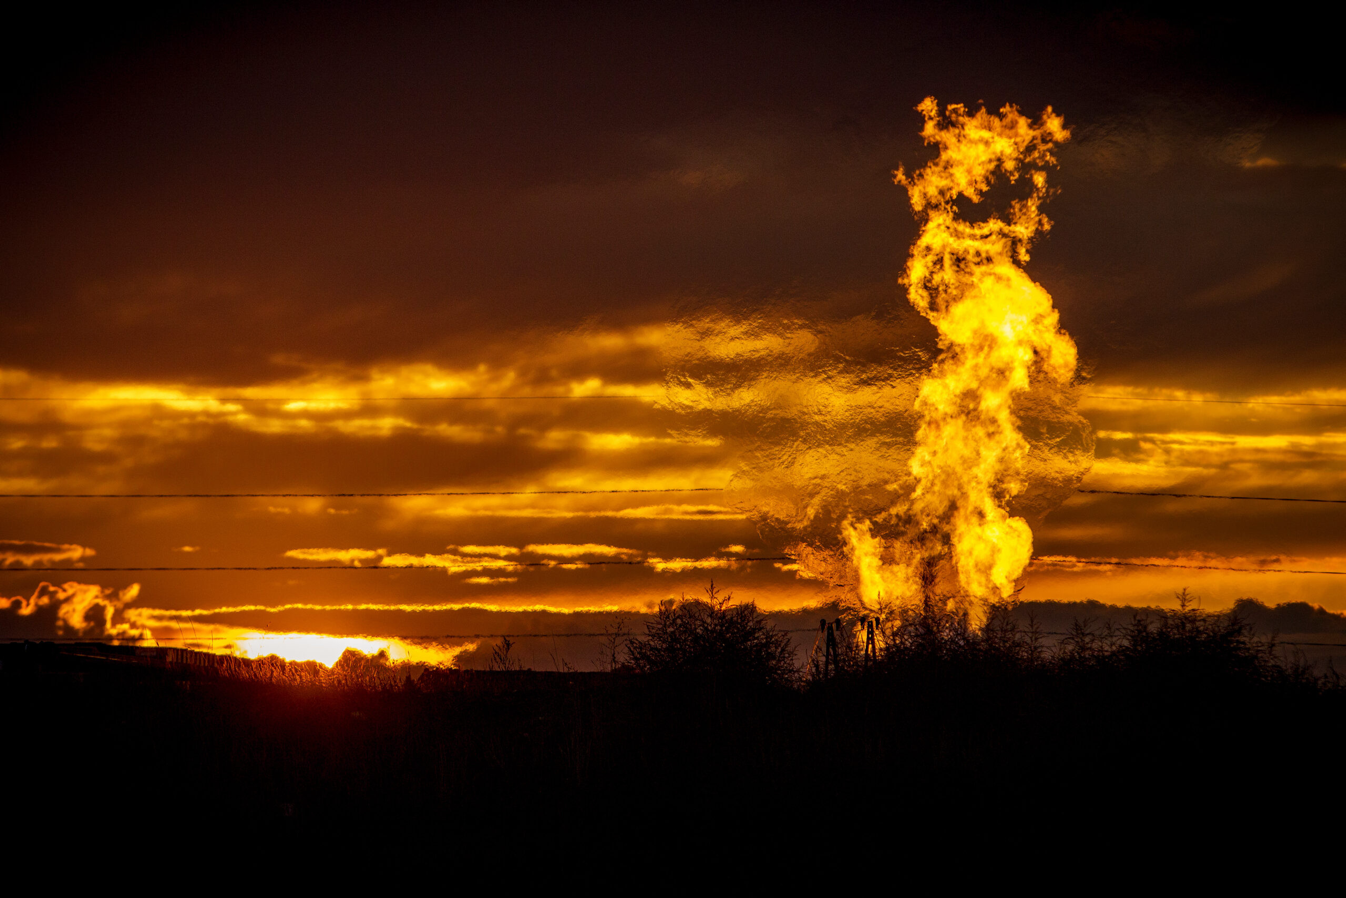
x=1183, y=644
x=713, y=636
x=1161, y=646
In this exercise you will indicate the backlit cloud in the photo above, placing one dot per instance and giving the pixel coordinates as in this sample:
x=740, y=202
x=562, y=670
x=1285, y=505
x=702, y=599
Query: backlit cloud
x=343, y=556
x=83, y=609
x=453, y=564
x=30, y=553
x=576, y=550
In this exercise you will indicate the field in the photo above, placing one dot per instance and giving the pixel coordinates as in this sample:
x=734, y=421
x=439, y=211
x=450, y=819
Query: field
x=1188, y=720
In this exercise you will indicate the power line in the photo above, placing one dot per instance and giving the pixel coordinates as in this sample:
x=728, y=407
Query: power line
x=432, y=638
x=643, y=397
x=418, y=638
x=1221, y=401
x=681, y=489
x=1063, y=633
x=495, y=566
x=1204, y=496
x=560, y=397
x=1199, y=567
x=251, y=636
x=506, y=565
x=161, y=399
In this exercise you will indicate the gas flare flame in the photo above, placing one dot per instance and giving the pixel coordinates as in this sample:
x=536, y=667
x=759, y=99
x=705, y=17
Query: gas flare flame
x=901, y=452
x=998, y=334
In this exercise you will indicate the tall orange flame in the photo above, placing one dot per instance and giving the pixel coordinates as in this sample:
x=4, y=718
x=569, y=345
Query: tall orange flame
x=998, y=332
x=895, y=463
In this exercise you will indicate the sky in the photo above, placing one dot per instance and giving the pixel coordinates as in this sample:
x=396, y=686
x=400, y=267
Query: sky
x=233, y=238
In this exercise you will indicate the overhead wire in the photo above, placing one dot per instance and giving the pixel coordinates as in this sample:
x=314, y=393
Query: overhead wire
x=501, y=565
x=495, y=565
x=681, y=489
x=1208, y=496
x=332, y=399
x=1219, y=401
x=1198, y=567
x=567, y=397
x=417, y=638
x=437, y=637
x=678, y=489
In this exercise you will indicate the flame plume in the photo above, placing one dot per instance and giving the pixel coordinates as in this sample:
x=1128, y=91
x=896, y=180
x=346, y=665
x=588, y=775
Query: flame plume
x=998, y=332
x=895, y=460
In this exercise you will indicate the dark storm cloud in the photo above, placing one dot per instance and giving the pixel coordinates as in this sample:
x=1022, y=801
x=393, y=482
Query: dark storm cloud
x=369, y=185
x=1168, y=276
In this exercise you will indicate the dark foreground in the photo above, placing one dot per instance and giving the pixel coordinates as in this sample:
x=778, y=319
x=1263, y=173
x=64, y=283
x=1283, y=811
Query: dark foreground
x=937, y=745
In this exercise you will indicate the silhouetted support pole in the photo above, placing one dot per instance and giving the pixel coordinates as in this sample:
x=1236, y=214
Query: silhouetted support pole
x=821, y=639
x=831, y=652
x=871, y=650
x=928, y=604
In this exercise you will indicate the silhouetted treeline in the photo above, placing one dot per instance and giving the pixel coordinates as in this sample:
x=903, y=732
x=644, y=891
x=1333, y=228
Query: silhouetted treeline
x=1184, y=716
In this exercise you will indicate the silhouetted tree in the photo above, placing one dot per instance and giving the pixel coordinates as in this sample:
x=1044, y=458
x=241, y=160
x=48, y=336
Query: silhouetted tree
x=714, y=636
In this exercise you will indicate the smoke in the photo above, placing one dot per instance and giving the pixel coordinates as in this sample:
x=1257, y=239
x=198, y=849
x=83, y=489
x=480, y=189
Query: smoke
x=81, y=609
x=895, y=462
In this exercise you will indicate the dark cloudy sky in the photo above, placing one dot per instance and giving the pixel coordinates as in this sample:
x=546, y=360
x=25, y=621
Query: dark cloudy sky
x=346, y=200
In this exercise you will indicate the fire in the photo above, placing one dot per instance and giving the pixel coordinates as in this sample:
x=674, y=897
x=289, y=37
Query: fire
x=894, y=460
x=998, y=335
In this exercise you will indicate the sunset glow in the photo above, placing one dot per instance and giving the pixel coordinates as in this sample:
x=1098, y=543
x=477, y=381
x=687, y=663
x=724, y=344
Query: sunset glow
x=327, y=649
x=508, y=334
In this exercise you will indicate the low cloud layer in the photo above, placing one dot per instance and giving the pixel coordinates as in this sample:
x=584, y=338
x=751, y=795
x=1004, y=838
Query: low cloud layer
x=77, y=609
x=30, y=553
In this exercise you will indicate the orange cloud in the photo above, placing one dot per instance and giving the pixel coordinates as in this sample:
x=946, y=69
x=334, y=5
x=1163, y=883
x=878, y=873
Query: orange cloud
x=575, y=550
x=29, y=552
x=343, y=556
x=451, y=563
x=468, y=509
x=689, y=564
x=84, y=608
x=162, y=617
